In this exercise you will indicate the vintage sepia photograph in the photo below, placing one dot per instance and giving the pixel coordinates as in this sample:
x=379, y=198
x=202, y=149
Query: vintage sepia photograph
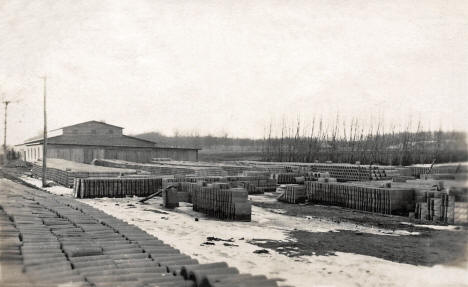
x=233, y=143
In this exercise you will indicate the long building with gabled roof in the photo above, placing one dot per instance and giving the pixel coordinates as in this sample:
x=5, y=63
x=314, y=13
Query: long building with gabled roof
x=86, y=141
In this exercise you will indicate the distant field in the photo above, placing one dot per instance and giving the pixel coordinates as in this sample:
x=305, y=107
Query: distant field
x=228, y=155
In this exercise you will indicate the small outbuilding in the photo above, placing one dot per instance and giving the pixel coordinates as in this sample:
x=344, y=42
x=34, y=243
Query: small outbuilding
x=93, y=139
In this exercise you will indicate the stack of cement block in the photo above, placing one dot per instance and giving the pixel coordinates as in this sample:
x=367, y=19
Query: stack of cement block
x=288, y=178
x=259, y=186
x=231, y=204
x=448, y=168
x=294, y=193
x=442, y=207
x=264, y=174
x=115, y=187
x=170, y=197
x=385, y=200
x=64, y=172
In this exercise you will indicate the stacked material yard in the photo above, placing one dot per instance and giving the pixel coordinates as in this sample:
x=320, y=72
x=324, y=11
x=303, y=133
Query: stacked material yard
x=156, y=169
x=231, y=204
x=443, y=206
x=340, y=171
x=291, y=177
x=64, y=172
x=164, y=167
x=115, y=187
x=253, y=184
x=207, y=168
x=351, y=172
x=288, y=178
x=387, y=200
x=259, y=186
x=294, y=193
x=58, y=241
x=448, y=168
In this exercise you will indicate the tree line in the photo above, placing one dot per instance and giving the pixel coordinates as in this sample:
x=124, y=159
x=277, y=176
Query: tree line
x=345, y=142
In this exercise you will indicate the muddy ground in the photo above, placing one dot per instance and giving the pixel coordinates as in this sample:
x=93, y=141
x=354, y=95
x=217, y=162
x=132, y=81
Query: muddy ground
x=428, y=247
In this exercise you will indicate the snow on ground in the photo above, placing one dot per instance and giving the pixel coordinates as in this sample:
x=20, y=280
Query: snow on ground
x=56, y=189
x=435, y=227
x=179, y=228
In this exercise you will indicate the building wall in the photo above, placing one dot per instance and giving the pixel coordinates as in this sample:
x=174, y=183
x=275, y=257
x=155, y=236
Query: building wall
x=30, y=153
x=87, y=154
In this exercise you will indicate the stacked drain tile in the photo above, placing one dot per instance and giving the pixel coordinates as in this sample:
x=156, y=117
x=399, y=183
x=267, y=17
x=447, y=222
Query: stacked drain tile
x=62, y=241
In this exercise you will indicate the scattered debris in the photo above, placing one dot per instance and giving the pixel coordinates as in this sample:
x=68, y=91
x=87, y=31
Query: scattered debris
x=229, y=244
x=156, y=211
x=212, y=238
x=261, y=251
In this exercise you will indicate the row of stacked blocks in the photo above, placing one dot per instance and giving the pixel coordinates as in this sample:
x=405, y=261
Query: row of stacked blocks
x=222, y=202
x=342, y=172
x=294, y=193
x=57, y=241
x=379, y=200
x=253, y=184
x=442, y=207
x=115, y=187
x=67, y=177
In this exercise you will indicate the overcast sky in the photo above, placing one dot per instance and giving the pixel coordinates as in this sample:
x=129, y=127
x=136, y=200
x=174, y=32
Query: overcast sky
x=233, y=66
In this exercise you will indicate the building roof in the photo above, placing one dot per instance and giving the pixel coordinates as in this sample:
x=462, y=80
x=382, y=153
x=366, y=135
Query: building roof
x=97, y=140
x=89, y=122
x=88, y=140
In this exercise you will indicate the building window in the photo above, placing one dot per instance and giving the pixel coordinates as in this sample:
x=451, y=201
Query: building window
x=93, y=132
x=110, y=132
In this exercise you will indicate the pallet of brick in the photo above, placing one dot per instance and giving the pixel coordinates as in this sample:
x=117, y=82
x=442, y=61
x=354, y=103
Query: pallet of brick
x=460, y=214
x=265, y=174
x=170, y=198
x=64, y=172
x=366, y=198
x=288, y=178
x=115, y=187
x=155, y=169
x=258, y=186
x=293, y=193
x=189, y=188
x=230, y=204
x=448, y=168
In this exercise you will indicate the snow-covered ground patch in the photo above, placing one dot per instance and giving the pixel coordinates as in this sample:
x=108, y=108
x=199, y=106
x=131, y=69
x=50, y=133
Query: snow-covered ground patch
x=435, y=227
x=56, y=189
x=179, y=228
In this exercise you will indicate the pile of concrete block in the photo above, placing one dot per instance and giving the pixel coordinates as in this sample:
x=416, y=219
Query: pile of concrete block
x=115, y=187
x=288, y=178
x=385, y=200
x=64, y=172
x=259, y=186
x=443, y=206
x=293, y=193
x=231, y=204
x=449, y=168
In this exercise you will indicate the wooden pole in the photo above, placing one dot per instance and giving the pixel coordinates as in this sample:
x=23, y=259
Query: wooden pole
x=5, y=132
x=44, y=146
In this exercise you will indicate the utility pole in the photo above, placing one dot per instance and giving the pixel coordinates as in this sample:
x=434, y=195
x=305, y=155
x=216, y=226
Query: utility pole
x=44, y=145
x=5, y=131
